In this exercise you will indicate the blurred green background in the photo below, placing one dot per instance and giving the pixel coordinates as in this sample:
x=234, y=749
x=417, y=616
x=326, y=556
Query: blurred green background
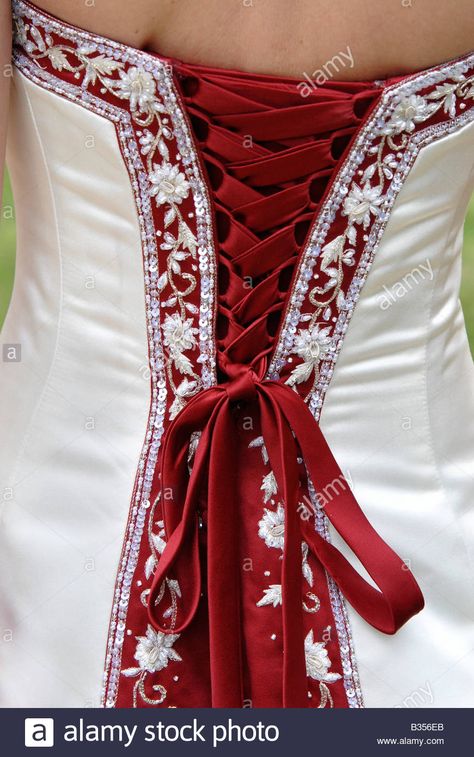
x=7, y=261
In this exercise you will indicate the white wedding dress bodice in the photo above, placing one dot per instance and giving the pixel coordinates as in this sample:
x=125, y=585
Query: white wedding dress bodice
x=76, y=395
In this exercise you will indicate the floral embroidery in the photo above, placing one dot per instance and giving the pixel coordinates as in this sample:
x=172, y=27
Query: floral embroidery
x=138, y=86
x=153, y=653
x=272, y=527
x=179, y=336
x=169, y=184
x=272, y=531
x=410, y=111
x=311, y=345
x=135, y=92
x=317, y=660
x=361, y=202
x=317, y=667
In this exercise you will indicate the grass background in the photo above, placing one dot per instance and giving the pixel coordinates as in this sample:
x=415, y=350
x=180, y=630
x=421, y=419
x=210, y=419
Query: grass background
x=7, y=261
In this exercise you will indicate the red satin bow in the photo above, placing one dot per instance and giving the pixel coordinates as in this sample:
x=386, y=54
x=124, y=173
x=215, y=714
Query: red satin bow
x=289, y=430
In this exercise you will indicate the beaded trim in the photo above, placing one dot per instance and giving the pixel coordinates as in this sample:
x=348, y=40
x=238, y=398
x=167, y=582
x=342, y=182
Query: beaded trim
x=350, y=671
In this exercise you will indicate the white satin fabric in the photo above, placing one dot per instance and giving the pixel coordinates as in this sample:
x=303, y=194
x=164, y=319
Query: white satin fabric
x=399, y=416
x=73, y=412
x=398, y=413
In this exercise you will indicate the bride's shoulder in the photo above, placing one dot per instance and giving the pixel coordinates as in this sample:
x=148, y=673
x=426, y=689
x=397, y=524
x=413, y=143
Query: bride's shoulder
x=409, y=35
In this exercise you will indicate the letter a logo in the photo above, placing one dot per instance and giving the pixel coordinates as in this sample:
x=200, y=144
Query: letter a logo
x=39, y=732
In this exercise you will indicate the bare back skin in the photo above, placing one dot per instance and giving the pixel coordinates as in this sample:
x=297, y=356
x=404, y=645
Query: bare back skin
x=285, y=36
x=375, y=39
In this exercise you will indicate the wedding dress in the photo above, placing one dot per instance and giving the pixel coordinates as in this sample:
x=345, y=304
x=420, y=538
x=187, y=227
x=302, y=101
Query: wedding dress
x=223, y=285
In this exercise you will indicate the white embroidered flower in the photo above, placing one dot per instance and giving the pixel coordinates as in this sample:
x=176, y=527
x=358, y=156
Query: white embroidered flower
x=179, y=334
x=312, y=345
x=361, y=202
x=169, y=184
x=155, y=650
x=271, y=596
x=409, y=112
x=137, y=86
x=317, y=660
x=272, y=527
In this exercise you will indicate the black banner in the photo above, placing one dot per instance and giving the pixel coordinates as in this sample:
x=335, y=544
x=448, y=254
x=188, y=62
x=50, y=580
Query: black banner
x=234, y=732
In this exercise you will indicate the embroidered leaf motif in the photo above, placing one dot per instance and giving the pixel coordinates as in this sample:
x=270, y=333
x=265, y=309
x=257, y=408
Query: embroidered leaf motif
x=271, y=596
x=130, y=672
x=369, y=172
x=159, y=543
x=188, y=240
x=150, y=566
x=174, y=586
x=300, y=374
x=99, y=65
x=269, y=486
x=58, y=59
x=163, y=149
x=307, y=572
x=170, y=215
x=332, y=251
x=38, y=39
x=105, y=65
x=162, y=281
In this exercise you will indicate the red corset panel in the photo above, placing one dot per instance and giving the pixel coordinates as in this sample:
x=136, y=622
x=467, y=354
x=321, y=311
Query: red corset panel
x=269, y=153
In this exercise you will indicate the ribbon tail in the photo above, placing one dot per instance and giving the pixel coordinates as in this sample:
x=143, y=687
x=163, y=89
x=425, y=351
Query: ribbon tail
x=282, y=452
x=181, y=553
x=398, y=596
x=223, y=560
